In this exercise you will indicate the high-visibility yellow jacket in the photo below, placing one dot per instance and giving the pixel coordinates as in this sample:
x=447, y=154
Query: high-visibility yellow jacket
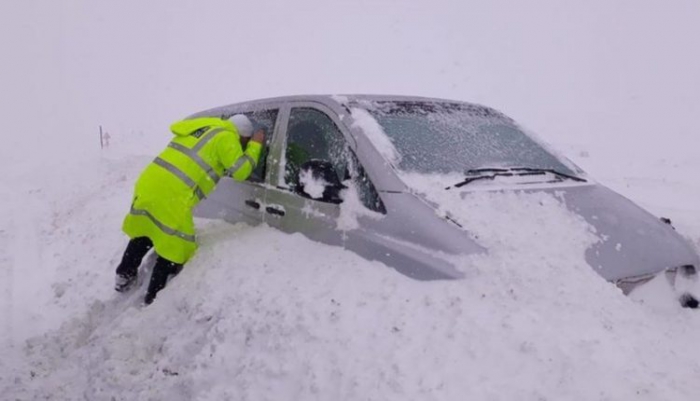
x=203, y=151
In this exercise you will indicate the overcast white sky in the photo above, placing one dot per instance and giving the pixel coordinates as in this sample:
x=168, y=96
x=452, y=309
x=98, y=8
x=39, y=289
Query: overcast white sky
x=574, y=71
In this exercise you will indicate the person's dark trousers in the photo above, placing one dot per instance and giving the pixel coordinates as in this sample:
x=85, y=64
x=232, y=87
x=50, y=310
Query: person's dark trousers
x=133, y=255
x=159, y=278
x=163, y=269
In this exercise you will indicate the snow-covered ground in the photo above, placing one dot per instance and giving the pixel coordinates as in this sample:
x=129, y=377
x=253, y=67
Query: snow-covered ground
x=300, y=320
x=259, y=314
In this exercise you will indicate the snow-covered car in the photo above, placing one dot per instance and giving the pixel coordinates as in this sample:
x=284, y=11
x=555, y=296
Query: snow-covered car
x=341, y=169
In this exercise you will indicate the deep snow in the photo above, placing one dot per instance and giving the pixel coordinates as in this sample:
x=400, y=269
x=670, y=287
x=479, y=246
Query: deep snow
x=301, y=320
x=263, y=315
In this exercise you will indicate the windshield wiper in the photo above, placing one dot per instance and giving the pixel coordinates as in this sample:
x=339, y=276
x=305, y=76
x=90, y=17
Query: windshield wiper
x=510, y=172
x=487, y=170
x=549, y=170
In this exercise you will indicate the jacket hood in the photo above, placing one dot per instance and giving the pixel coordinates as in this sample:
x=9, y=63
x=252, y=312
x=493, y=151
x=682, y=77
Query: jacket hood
x=187, y=127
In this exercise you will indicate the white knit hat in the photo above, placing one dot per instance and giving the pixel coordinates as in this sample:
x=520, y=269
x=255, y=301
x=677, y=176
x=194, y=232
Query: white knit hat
x=243, y=125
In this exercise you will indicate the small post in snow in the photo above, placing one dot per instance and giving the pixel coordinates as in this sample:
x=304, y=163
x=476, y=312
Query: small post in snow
x=102, y=145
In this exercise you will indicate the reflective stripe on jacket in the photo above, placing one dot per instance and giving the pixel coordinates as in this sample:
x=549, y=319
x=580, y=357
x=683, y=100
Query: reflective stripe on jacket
x=203, y=151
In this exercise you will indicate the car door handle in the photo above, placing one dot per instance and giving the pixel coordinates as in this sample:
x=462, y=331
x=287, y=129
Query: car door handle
x=274, y=210
x=253, y=204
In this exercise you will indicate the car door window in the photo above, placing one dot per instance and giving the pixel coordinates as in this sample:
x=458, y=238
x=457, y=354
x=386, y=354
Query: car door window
x=265, y=119
x=312, y=135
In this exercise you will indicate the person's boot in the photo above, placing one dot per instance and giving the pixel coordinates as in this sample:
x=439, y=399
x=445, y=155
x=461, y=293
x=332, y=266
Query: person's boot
x=123, y=283
x=128, y=269
x=159, y=278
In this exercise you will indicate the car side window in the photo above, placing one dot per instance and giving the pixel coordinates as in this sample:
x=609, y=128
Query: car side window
x=265, y=119
x=366, y=191
x=312, y=135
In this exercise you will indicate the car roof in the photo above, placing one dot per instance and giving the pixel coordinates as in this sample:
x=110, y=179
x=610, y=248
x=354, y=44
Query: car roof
x=333, y=101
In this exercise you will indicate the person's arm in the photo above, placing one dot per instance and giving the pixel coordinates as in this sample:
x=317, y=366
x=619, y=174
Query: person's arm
x=241, y=164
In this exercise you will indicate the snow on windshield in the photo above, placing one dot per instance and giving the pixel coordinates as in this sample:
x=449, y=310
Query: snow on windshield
x=434, y=137
x=376, y=135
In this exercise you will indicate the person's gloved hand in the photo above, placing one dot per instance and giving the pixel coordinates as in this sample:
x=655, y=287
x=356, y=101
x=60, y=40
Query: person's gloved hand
x=259, y=136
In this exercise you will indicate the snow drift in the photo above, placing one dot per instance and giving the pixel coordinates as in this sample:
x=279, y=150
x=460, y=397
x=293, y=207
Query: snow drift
x=614, y=85
x=294, y=319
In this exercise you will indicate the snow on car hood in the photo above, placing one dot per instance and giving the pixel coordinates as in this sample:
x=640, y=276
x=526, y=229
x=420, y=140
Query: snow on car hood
x=516, y=227
x=563, y=224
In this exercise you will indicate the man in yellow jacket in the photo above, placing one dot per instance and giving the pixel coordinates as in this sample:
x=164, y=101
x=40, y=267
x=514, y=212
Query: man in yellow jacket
x=203, y=151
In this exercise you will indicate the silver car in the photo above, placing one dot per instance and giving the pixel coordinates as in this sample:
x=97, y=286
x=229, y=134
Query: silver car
x=318, y=145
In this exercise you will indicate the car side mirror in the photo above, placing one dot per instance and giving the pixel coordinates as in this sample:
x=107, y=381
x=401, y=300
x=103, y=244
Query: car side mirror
x=318, y=180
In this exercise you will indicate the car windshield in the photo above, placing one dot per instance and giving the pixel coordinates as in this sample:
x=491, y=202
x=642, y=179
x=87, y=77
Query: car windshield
x=442, y=137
